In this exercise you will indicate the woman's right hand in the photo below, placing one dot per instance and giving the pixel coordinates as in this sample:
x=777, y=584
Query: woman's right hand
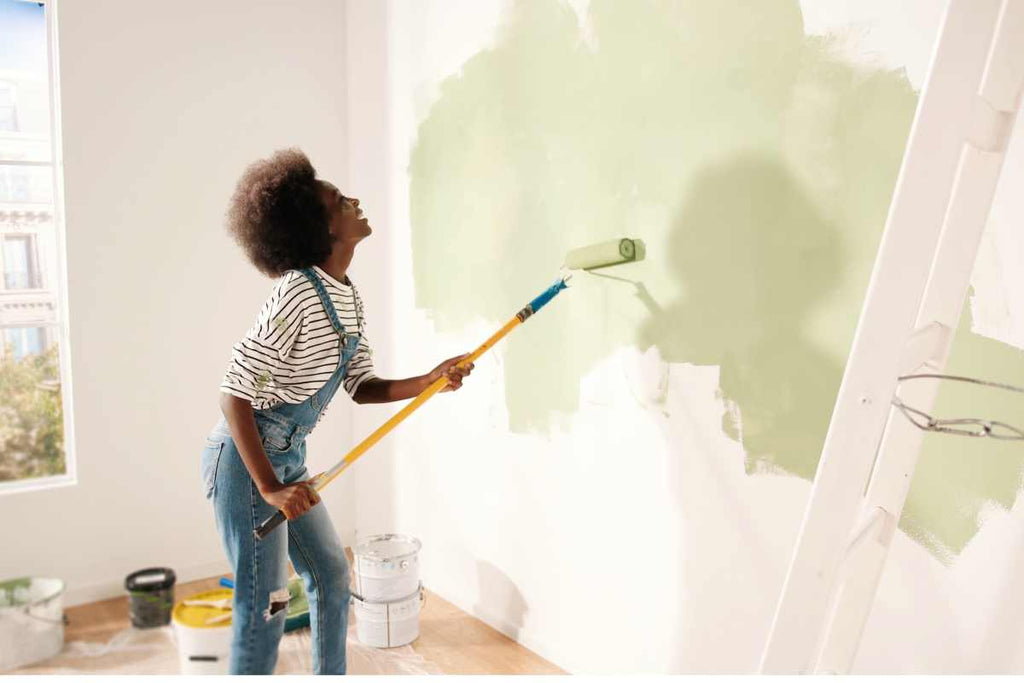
x=294, y=500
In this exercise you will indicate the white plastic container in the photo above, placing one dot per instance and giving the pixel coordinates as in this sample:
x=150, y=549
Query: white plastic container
x=388, y=624
x=203, y=634
x=31, y=621
x=387, y=568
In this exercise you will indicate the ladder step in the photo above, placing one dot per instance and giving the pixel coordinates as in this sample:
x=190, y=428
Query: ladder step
x=871, y=537
x=1003, y=79
x=989, y=129
x=925, y=348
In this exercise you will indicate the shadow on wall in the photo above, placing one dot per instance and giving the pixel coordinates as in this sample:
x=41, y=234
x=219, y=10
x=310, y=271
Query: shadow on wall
x=498, y=598
x=754, y=258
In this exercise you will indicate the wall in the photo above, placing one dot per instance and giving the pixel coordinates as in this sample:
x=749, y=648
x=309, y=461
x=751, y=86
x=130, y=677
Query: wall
x=164, y=104
x=620, y=485
x=369, y=108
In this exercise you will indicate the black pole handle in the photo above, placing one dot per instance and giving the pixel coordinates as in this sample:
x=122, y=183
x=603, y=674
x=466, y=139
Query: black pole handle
x=269, y=524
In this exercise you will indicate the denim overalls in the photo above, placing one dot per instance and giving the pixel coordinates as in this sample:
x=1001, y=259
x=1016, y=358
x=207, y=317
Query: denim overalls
x=260, y=567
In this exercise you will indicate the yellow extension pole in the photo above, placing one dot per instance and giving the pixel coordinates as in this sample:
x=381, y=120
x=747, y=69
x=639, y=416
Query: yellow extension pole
x=367, y=443
x=327, y=477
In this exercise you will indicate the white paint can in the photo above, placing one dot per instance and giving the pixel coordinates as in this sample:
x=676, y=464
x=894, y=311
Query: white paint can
x=388, y=624
x=387, y=568
x=203, y=633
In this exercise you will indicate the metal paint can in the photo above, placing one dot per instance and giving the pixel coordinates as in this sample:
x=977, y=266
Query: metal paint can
x=387, y=567
x=388, y=624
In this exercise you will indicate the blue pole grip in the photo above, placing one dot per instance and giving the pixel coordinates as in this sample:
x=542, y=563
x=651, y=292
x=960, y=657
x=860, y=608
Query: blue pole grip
x=546, y=296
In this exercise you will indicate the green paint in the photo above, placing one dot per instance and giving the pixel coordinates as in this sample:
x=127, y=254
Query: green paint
x=298, y=605
x=757, y=167
x=15, y=591
x=957, y=475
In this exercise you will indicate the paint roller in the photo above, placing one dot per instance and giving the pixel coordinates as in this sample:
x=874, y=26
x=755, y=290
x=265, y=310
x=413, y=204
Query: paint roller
x=613, y=253
x=602, y=255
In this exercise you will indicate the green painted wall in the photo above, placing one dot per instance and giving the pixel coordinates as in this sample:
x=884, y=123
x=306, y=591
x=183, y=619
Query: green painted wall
x=757, y=167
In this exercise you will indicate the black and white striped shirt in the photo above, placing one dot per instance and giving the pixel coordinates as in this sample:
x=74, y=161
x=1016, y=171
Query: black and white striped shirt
x=292, y=350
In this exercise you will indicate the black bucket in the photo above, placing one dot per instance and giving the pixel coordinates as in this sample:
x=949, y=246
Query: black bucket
x=151, y=596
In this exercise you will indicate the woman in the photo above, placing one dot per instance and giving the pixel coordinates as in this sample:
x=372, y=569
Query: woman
x=307, y=342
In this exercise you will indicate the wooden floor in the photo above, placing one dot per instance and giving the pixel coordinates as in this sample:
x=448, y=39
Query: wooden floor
x=452, y=640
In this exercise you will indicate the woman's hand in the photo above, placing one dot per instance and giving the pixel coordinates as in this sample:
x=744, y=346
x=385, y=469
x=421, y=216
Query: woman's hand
x=294, y=500
x=453, y=371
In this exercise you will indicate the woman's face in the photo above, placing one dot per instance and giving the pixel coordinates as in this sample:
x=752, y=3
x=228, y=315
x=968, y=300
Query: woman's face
x=345, y=218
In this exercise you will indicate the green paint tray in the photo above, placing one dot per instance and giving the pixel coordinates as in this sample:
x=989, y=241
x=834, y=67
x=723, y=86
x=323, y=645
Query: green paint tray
x=297, y=615
x=298, y=606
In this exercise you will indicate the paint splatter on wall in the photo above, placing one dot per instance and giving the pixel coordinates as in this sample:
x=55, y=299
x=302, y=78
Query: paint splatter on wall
x=758, y=166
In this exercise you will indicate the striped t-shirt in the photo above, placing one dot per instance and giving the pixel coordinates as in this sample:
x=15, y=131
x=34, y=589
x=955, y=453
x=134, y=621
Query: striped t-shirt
x=293, y=349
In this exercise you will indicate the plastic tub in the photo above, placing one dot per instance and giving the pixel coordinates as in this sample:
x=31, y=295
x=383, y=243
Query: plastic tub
x=151, y=596
x=31, y=621
x=203, y=634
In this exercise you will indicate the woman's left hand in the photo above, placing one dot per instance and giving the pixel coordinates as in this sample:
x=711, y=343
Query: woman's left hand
x=453, y=371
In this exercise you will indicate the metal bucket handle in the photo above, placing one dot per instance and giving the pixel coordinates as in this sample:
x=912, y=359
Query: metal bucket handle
x=27, y=611
x=421, y=590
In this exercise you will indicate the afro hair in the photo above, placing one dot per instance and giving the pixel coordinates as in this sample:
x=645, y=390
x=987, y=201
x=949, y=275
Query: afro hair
x=277, y=214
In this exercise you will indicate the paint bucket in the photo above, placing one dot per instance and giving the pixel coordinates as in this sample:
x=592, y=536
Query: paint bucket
x=151, y=598
x=203, y=634
x=387, y=567
x=388, y=624
x=31, y=621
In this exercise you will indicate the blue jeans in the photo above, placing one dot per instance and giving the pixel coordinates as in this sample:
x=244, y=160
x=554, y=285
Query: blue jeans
x=260, y=567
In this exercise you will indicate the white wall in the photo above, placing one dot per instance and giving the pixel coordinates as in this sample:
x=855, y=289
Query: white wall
x=164, y=104
x=369, y=166
x=632, y=541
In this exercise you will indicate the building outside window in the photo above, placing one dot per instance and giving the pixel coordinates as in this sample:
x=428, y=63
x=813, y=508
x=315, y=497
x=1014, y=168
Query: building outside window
x=21, y=269
x=8, y=113
x=25, y=341
x=35, y=424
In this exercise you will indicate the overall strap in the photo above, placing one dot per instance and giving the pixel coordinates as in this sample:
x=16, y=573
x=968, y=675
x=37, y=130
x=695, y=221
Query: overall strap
x=325, y=299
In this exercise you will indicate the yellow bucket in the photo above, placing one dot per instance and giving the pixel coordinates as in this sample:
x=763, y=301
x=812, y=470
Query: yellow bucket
x=203, y=634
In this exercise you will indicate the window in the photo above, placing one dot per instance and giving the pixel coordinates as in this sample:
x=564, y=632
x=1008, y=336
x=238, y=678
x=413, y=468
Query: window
x=25, y=184
x=24, y=341
x=8, y=114
x=20, y=267
x=35, y=424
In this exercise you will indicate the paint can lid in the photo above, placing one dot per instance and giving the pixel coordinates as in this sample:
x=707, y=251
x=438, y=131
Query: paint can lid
x=387, y=547
x=151, y=579
x=29, y=591
x=203, y=616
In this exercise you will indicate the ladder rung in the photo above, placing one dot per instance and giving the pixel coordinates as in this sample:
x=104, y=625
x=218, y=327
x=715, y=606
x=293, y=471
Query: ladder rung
x=989, y=128
x=866, y=540
x=924, y=347
x=1004, y=73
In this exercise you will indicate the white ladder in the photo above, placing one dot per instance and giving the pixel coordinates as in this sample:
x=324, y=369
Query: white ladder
x=920, y=280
